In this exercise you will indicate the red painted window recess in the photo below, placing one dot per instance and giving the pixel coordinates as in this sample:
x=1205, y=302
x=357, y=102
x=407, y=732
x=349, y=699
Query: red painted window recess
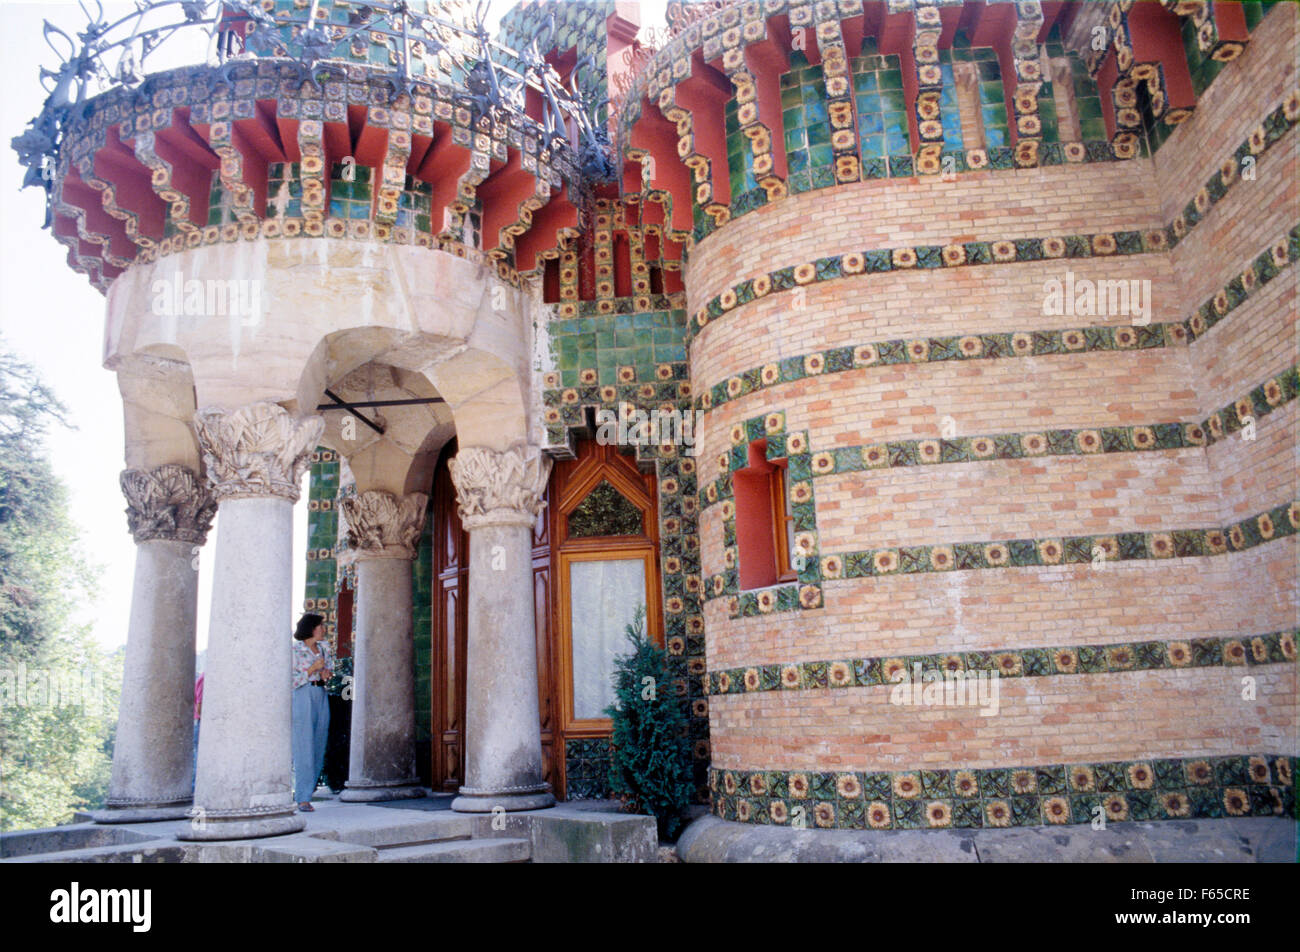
x=764, y=525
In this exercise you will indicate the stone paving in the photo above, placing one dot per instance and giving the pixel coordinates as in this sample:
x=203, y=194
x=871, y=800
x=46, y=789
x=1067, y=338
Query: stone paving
x=404, y=831
x=425, y=830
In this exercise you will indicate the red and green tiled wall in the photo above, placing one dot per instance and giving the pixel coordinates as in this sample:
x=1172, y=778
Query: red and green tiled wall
x=422, y=623
x=1204, y=68
x=1271, y=129
x=882, y=112
x=616, y=350
x=1156, y=789
x=579, y=25
x=376, y=49
x=602, y=361
x=884, y=143
x=322, y=533
x=950, y=113
x=807, y=127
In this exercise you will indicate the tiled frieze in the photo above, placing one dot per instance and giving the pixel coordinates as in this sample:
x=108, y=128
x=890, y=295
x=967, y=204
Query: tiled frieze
x=1278, y=647
x=1145, y=121
x=214, y=107
x=1259, y=402
x=1276, y=522
x=1041, y=795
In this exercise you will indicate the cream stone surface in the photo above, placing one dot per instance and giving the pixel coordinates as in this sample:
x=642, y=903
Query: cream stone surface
x=325, y=307
x=255, y=456
x=367, y=323
x=158, y=407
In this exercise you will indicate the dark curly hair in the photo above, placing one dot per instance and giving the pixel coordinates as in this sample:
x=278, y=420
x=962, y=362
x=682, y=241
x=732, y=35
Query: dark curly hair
x=306, y=625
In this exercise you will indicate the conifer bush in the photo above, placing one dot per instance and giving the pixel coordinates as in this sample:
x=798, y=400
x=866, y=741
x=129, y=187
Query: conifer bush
x=649, y=763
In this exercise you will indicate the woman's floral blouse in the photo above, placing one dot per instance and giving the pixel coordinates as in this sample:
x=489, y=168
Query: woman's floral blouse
x=304, y=658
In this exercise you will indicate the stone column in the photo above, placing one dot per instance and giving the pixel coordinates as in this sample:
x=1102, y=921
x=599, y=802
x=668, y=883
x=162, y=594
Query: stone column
x=255, y=457
x=499, y=496
x=384, y=532
x=169, y=511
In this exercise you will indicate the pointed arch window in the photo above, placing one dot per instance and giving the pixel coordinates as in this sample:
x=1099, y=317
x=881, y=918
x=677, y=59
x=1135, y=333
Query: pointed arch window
x=608, y=568
x=605, y=512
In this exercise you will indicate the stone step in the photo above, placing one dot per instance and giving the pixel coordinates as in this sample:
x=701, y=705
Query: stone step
x=386, y=832
x=417, y=841
x=488, y=850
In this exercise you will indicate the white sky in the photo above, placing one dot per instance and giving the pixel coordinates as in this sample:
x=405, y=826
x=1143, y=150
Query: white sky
x=52, y=318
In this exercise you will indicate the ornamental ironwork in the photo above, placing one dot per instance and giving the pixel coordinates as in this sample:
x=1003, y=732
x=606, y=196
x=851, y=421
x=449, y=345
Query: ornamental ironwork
x=110, y=53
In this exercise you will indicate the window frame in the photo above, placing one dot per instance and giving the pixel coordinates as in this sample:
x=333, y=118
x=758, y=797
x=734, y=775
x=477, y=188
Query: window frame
x=600, y=464
x=782, y=521
x=573, y=725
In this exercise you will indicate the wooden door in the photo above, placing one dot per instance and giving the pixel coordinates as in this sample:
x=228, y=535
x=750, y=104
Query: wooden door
x=449, y=616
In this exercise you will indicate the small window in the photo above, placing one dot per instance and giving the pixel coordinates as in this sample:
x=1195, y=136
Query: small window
x=764, y=520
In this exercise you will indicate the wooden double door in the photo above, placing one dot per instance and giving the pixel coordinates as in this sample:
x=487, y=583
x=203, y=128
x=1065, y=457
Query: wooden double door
x=600, y=511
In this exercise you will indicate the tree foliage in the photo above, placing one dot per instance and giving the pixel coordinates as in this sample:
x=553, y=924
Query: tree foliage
x=649, y=764
x=35, y=535
x=58, y=688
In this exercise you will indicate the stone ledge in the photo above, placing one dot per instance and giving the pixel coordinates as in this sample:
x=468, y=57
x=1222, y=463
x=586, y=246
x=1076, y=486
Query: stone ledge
x=77, y=836
x=1241, y=840
x=592, y=834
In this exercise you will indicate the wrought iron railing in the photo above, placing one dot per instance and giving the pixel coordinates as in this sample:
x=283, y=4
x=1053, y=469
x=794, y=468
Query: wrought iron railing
x=113, y=53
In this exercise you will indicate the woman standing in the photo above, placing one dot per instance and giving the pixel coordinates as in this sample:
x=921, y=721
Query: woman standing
x=312, y=668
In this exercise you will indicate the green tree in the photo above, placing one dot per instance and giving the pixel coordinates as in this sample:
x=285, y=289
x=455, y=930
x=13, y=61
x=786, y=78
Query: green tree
x=58, y=688
x=649, y=763
x=36, y=538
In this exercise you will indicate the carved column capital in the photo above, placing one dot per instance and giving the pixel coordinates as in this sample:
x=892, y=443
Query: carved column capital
x=499, y=488
x=256, y=450
x=379, y=525
x=170, y=502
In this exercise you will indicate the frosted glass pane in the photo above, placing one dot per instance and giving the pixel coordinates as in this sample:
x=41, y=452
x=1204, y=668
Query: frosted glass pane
x=603, y=597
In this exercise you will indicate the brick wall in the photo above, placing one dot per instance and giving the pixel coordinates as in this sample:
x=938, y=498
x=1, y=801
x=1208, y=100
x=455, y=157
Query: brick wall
x=1108, y=714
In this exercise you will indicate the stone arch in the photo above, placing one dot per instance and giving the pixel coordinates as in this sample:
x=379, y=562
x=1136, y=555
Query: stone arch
x=448, y=318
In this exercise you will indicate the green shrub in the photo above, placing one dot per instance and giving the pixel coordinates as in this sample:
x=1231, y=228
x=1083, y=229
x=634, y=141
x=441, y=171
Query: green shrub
x=649, y=762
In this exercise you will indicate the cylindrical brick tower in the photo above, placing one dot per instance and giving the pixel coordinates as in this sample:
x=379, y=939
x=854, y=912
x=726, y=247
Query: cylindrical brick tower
x=980, y=541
